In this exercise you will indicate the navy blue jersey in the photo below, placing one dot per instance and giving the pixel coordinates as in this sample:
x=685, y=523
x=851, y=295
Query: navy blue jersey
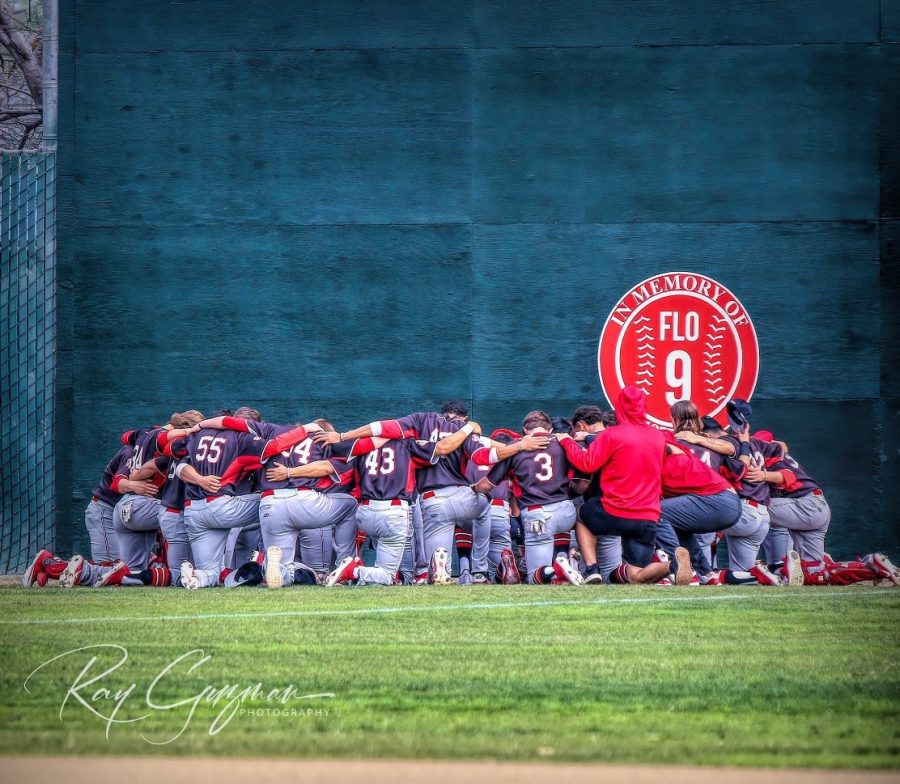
x=228, y=454
x=798, y=483
x=172, y=493
x=451, y=469
x=120, y=464
x=389, y=471
x=344, y=478
x=537, y=477
x=301, y=454
x=477, y=472
x=765, y=456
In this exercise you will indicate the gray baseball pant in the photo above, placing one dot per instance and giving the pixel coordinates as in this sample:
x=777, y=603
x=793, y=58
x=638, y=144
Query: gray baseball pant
x=315, y=548
x=558, y=518
x=500, y=538
x=136, y=520
x=390, y=527
x=449, y=507
x=208, y=525
x=609, y=554
x=287, y=512
x=746, y=536
x=414, y=561
x=178, y=546
x=804, y=520
x=98, y=519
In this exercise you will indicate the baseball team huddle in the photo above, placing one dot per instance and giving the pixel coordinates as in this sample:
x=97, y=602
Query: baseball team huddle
x=600, y=497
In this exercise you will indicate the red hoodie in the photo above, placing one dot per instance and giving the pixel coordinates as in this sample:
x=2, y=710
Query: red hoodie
x=688, y=475
x=629, y=457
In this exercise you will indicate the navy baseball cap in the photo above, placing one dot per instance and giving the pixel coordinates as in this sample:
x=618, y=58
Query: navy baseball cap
x=739, y=412
x=709, y=423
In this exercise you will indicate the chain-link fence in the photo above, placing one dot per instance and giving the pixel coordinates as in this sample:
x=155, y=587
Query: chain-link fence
x=27, y=353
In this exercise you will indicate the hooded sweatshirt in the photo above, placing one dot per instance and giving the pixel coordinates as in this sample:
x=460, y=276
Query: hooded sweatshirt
x=629, y=457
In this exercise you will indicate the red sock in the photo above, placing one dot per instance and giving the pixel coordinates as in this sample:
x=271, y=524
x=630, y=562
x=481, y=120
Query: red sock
x=620, y=575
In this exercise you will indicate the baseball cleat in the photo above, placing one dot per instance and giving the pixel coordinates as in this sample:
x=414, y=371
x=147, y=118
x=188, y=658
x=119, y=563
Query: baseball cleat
x=592, y=576
x=564, y=571
x=188, y=578
x=274, y=578
x=41, y=580
x=440, y=567
x=71, y=575
x=421, y=578
x=713, y=578
x=880, y=564
x=664, y=581
x=35, y=568
x=480, y=578
x=465, y=577
x=507, y=569
x=683, y=571
x=764, y=576
x=792, y=570
x=345, y=571
x=113, y=575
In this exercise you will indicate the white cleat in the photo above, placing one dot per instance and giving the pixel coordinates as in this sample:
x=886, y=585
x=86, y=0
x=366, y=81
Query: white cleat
x=188, y=578
x=883, y=567
x=793, y=569
x=72, y=573
x=564, y=571
x=274, y=578
x=440, y=567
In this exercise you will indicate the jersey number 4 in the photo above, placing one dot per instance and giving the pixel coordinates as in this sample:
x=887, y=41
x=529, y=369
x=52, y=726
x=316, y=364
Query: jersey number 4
x=209, y=449
x=387, y=461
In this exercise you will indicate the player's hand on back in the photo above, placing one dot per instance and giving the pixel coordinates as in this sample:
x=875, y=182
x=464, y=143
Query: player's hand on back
x=276, y=473
x=689, y=436
x=530, y=443
x=754, y=474
x=211, y=484
x=143, y=487
x=327, y=437
x=476, y=428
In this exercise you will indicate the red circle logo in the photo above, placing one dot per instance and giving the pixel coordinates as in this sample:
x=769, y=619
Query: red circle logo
x=679, y=336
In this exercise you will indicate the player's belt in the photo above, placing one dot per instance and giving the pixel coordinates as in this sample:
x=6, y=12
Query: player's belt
x=434, y=493
x=95, y=498
x=752, y=502
x=429, y=494
x=209, y=499
x=500, y=502
x=377, y=503
x=817, y=491
x=534, y=508
x=173, y=509
x=285, y=492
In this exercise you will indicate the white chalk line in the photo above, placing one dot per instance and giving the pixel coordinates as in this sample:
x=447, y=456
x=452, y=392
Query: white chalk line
x=773, y=593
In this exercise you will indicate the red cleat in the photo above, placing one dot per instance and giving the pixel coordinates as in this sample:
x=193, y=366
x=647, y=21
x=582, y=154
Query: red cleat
x=346, y=571
x=764, y=576
x=35, y=568
x=507, y=569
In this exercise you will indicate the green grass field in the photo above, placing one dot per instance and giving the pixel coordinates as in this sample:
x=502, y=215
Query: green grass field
x=711, y=676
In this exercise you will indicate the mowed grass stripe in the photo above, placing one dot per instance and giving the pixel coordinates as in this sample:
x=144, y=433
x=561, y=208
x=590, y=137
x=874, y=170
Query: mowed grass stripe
x=786, y=678
x=732, y=597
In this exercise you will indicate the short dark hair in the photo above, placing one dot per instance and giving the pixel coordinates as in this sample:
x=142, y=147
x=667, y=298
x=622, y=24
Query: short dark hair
x=503, y=438
x=561, y=425
x=221, y=412
x=590, y=415
x=248, y=413
x=535, y=419
x=455, y=407
x=609, y=419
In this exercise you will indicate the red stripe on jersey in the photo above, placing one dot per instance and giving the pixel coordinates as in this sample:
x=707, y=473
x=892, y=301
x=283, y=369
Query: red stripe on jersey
x=240, y=467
